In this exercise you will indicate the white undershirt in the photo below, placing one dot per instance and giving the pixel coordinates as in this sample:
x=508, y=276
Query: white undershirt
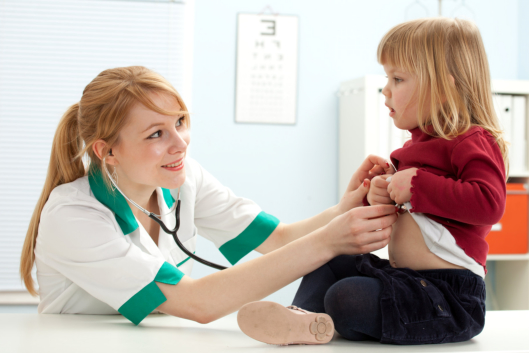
x=440, y=242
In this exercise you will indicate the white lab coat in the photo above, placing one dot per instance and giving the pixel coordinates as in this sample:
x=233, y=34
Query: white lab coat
x=94, y=257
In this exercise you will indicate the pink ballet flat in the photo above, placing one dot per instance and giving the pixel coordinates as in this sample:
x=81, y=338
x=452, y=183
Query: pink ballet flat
x=272, y=323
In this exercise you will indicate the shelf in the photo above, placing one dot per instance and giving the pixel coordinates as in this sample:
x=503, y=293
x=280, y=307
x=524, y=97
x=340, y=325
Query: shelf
x=517, y=174
x=507, y=257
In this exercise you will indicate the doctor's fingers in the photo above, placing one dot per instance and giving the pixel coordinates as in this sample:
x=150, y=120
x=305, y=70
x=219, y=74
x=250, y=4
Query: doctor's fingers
x=371, y=241
x=369, y=225
x=369, y=212
x=376, y=171
x=371, y=161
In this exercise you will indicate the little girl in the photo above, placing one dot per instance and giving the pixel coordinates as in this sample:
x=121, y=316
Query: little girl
x=451, y=179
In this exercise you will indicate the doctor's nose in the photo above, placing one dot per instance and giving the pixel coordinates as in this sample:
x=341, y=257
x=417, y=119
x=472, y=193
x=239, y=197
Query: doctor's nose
x=179, y=142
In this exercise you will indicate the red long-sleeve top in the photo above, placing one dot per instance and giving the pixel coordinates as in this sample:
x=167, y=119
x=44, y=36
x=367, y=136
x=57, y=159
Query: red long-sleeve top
x=460, y=184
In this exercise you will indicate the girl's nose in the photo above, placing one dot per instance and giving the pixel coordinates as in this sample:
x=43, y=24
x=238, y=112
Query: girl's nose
x=386, y=92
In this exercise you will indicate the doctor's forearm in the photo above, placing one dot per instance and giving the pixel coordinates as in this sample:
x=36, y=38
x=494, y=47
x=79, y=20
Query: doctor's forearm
x=287, y=233
x=221, y=293
x=299, y=229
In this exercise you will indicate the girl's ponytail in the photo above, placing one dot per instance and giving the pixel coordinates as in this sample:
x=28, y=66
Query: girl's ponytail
x=65, y=166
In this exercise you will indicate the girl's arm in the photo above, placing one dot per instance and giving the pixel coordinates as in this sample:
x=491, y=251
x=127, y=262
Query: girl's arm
x=219, y=294
x=476, y=197
x=353, y=196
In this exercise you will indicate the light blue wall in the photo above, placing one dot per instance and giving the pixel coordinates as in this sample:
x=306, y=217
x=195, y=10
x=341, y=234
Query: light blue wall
x=291, y=171
x=523, y=40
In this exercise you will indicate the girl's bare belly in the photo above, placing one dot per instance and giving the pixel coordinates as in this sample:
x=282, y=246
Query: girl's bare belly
x=408, y=249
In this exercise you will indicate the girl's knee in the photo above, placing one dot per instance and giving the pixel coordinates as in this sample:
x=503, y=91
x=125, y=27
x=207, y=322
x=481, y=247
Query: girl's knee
x=353, y=304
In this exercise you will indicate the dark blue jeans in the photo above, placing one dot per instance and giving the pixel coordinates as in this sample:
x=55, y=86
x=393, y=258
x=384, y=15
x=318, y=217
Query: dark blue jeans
x=350, y=299
x=370, y=300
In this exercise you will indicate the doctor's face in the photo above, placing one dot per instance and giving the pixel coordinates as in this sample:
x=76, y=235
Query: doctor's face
x=152, y=146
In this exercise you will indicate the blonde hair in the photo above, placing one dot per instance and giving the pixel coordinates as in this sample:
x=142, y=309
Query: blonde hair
x=100, y=114
x=434, y=49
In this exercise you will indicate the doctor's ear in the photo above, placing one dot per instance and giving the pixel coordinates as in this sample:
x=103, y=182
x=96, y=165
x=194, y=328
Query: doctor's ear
x=101, y=150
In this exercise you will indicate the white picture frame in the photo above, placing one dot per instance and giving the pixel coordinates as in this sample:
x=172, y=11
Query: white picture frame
x=267, y=69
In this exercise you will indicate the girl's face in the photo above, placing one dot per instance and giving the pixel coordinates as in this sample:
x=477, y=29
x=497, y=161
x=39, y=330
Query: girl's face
x=152, y=147
x=402, y=96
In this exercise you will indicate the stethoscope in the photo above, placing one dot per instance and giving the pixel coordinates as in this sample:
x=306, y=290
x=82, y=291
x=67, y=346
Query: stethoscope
x=400, y=207
x=158, y=219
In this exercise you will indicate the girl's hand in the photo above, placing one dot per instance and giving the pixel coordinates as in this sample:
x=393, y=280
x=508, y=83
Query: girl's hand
x=360, y=230
x=378, y=191
x=371, y=167
x=400, y=185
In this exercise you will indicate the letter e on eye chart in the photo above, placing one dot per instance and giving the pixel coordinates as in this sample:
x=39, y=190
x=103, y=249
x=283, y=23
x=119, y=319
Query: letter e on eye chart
x=267, y=69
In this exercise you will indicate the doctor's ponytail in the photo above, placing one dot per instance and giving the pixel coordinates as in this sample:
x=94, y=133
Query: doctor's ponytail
x=65, y=166
x=100, y=115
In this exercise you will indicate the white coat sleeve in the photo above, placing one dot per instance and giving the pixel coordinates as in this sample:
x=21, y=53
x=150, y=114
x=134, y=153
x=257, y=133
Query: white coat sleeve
x=236, y=225
x=83, y=243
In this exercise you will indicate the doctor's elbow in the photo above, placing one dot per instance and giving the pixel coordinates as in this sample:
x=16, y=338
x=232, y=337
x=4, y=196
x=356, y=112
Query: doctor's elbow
x=203, y=319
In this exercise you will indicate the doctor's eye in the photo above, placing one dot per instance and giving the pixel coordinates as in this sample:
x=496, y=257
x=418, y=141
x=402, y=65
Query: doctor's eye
x=155, y=135
x=180, y=121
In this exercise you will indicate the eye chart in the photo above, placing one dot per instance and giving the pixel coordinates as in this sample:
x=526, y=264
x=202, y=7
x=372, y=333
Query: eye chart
x=267, y=69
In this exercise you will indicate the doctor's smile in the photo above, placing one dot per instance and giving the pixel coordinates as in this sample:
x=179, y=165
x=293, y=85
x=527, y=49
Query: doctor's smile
x=174, y=166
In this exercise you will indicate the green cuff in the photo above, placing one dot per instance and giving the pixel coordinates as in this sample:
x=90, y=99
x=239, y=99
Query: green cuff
x=150, y=297
x=254, y=235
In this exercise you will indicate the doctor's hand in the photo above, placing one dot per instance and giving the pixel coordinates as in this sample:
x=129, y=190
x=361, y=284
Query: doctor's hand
x=399, y=187
x=371, y=167
x=361, y=230
x=378, y=191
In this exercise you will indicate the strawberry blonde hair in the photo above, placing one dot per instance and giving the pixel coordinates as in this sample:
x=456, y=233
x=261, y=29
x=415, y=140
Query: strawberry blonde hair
x=100, y=115
x=433, y=49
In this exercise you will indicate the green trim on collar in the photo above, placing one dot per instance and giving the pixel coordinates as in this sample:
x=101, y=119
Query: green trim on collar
x=150, y=297
x=254, y=235
x=117, y=203
x=169, y=200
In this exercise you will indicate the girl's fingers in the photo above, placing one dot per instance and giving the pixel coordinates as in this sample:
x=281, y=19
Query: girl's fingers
x=380, y=182
x=382, y=200
x=380, y=192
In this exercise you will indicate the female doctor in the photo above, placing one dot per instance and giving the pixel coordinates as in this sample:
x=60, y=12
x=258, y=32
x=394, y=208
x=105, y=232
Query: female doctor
x=97, y=253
